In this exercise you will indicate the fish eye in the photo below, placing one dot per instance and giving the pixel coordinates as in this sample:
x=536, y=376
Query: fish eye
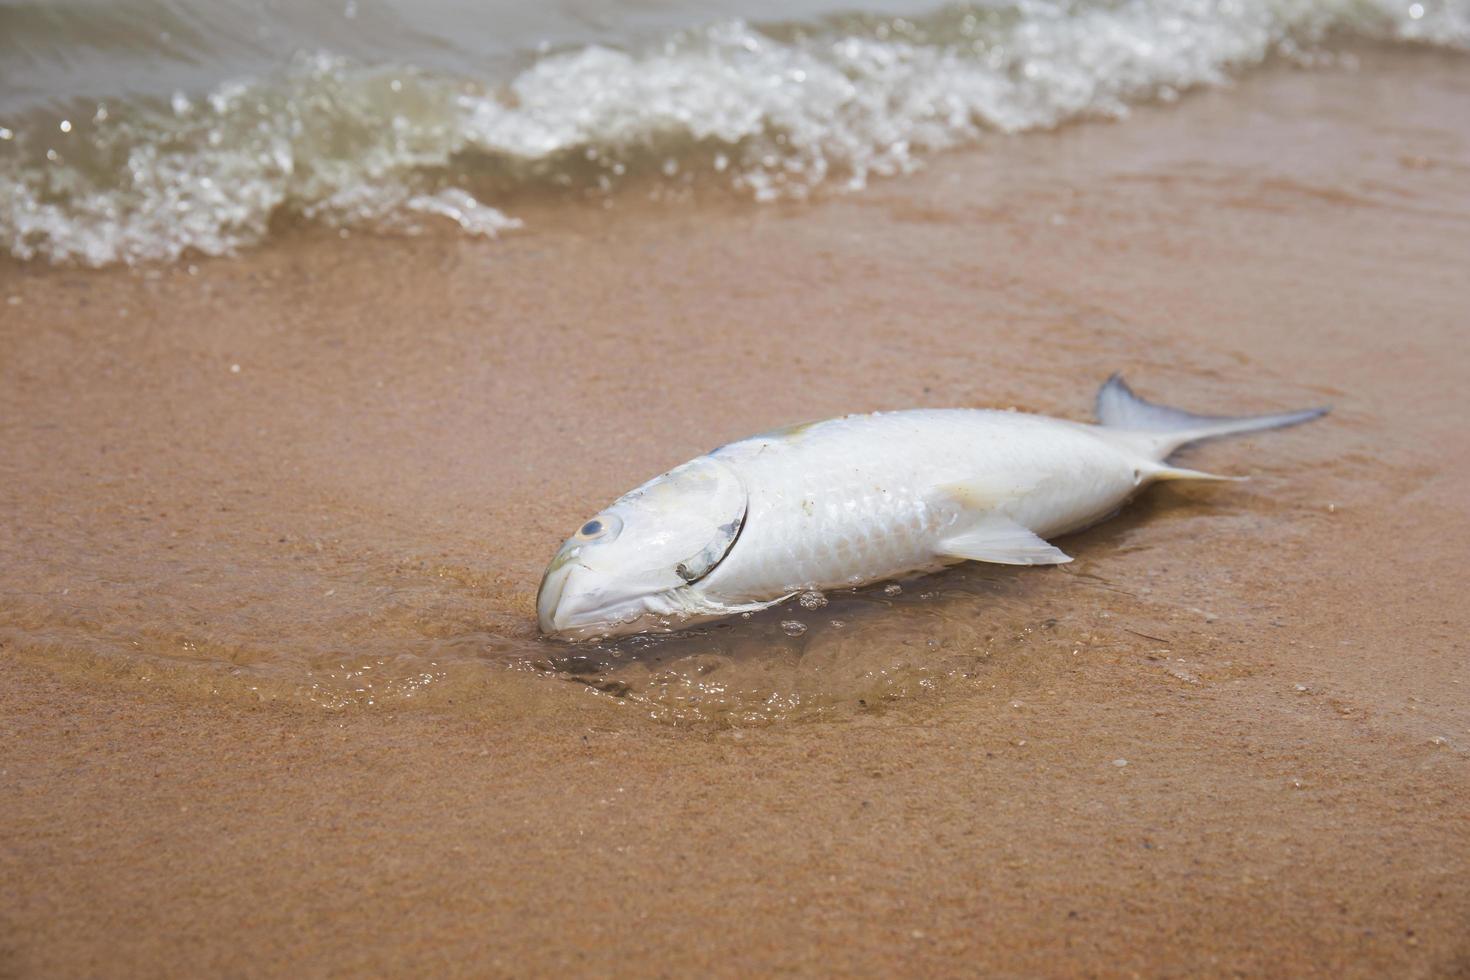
x=600, y=527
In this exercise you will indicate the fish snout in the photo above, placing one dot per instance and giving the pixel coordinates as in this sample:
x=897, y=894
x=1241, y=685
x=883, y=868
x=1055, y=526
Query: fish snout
x=549, y=596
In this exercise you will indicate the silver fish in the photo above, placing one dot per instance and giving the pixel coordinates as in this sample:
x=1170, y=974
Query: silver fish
x=859, y=499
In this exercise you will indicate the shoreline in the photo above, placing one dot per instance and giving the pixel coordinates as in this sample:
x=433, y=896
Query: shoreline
x=415, y=423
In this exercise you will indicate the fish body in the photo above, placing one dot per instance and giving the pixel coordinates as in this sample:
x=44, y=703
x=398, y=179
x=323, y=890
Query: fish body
x=859, y=499
x=853, y=500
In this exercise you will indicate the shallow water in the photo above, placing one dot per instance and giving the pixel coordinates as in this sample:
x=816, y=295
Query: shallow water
x=844, y=652
x=151, y=130
x=162, y=580
x=330, y=473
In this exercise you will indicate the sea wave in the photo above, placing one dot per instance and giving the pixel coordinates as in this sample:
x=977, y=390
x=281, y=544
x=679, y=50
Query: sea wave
x=773, y=111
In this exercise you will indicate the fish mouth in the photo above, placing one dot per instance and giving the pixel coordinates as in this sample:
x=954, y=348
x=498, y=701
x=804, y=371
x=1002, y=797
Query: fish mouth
x=548, y=596
x=660, y=613
x=595, y=624
x=565, y=613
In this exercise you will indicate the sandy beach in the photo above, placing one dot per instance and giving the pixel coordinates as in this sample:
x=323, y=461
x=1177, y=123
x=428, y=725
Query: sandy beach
x=272, y=698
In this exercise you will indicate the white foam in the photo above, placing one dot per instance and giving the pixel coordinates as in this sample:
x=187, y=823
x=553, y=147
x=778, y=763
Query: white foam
x=777, y=113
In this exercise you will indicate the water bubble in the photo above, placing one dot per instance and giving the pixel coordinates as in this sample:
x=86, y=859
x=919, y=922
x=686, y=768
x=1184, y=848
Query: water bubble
x=892, y=588
x=812, y=600
x=793, y=627
x=1120, y=763
x=65, y=126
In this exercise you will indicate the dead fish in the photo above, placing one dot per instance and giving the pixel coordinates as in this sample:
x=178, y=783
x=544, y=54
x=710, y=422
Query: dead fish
x=859, y=499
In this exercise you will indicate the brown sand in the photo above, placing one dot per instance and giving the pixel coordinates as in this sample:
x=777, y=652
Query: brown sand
x=201, y=773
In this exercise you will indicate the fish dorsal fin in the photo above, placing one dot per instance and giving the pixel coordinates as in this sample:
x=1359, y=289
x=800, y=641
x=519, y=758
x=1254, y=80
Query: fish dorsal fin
x=998, y=539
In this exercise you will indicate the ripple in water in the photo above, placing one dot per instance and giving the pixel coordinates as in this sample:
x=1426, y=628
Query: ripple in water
x=838, y=654
x=845, y=652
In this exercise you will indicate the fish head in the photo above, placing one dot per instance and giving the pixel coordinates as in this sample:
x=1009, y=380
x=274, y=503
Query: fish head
x=629, y=568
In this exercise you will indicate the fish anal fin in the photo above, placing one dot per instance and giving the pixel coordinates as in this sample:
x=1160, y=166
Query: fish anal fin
x=1180, y=473
x=1001, y=541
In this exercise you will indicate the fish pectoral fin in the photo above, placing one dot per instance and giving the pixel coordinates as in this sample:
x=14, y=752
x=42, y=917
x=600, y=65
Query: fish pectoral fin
x=689, y=602
x=1000, y=540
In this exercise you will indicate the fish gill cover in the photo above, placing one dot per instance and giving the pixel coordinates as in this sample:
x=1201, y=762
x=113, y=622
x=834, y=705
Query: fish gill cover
x=773, y=110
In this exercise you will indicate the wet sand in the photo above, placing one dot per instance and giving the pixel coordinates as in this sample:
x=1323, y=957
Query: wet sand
x=271, y=695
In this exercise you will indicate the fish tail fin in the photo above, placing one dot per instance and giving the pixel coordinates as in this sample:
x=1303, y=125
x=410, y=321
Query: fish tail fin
x=1166, y=429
